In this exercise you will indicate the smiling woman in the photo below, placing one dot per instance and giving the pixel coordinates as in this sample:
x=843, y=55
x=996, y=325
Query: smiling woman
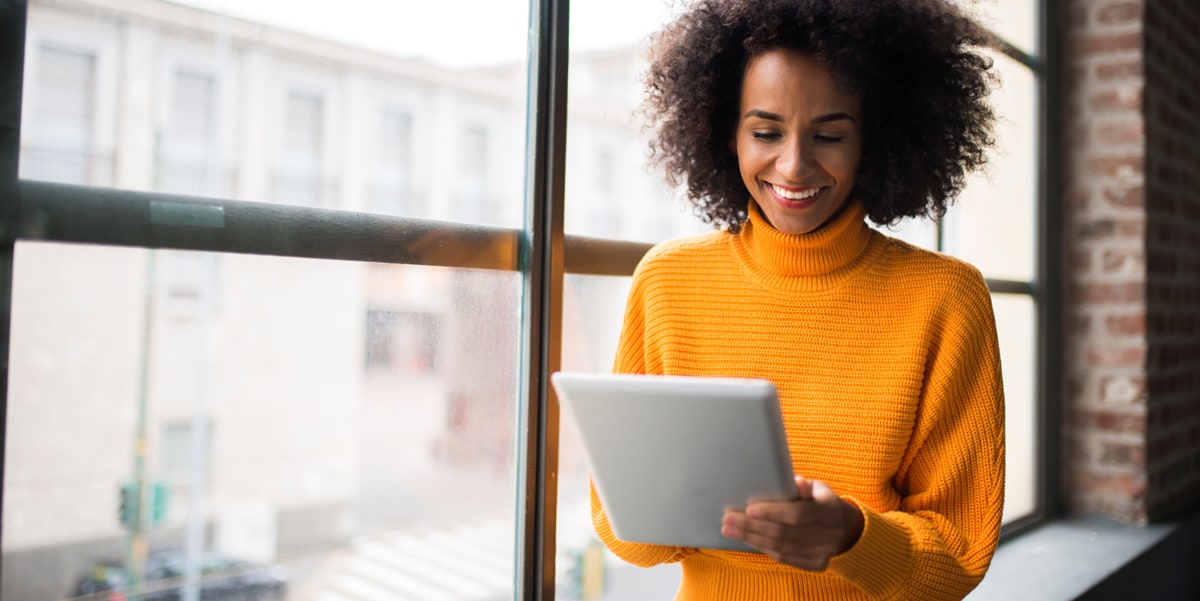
x=786, y=122
x=799, y=140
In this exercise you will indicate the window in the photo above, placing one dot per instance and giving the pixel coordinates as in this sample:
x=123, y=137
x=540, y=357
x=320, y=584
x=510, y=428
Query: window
x=299, y=179
x=473, y=194
x=393, y=193
x=402, y=341
x=329, y=235
x=187, y=148
x=63, y=122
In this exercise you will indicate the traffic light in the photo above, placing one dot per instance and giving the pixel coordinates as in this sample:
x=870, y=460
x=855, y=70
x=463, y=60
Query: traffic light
x=158, y=503
x=130, y=502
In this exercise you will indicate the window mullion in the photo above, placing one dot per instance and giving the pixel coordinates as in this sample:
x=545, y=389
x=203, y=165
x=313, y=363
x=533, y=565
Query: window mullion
x=12, y=59
x=542, y=266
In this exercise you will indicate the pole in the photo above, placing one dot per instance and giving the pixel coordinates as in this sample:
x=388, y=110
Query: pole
x=136, y=547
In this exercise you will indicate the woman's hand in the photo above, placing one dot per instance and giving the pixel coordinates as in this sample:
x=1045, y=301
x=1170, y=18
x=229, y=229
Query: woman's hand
x=805, y=533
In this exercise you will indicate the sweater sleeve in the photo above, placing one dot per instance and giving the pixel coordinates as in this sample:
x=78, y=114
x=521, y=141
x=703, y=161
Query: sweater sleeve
x=630, y=358
x=951, y=480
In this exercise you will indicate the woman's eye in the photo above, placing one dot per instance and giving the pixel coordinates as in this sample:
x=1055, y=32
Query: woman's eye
x=765, y=135
x=828, y=139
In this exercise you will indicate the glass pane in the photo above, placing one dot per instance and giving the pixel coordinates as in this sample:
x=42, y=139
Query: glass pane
x=593, y=308
x=340, y=430
x=610, y=190
x=358, y=105
x=993, y=224
x=1016, y=320
x=921, y=232
x=1014, y=20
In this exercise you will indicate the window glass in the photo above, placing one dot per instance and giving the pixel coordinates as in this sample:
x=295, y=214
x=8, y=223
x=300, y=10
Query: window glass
x=358, y=105
x=336, y=427
x=348, y=429
x=611, y=190
x=593, y=308
x=1016, y=320
x=1015, y=21
x=993, y=223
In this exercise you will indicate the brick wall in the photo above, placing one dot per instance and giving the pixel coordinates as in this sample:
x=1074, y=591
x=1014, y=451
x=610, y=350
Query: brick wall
x=1172, y=116
x=1132, y=246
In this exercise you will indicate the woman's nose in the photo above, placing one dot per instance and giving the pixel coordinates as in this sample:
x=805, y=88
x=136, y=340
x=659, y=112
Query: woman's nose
x=794, y=160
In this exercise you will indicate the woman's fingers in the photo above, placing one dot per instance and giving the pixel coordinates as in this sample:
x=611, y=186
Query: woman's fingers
x=805, y=533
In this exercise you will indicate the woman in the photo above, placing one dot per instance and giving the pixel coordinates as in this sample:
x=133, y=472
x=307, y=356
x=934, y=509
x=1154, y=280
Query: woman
x=790, y=122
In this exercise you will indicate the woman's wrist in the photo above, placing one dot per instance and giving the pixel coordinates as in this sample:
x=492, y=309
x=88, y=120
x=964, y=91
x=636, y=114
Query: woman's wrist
x=853, y=521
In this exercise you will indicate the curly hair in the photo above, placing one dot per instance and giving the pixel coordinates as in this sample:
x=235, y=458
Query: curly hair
x=914, y=64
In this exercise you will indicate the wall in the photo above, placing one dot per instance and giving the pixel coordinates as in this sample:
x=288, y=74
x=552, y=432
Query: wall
x=1131, y=218
x=1172, y=66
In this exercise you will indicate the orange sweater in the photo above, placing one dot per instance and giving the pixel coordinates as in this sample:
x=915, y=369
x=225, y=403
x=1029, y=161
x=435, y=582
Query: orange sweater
x=886, y=362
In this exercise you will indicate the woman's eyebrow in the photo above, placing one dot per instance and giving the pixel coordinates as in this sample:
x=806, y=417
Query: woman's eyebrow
x=834, y=117
x=761, y=114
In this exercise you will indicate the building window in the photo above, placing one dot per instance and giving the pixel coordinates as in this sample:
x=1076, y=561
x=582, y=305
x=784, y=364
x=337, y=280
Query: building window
x=474, y=199
x=187, y=151
x=59, y=144
x=393, y=192
x=299, y=177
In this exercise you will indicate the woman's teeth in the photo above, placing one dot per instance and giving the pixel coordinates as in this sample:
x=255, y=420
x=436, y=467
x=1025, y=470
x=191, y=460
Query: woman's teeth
x=795, y=195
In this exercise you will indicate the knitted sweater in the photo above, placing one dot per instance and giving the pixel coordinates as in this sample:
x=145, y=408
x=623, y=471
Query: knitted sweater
x=886, y=362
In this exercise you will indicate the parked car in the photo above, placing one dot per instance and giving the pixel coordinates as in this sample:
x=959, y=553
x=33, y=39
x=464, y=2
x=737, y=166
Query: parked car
x=221, y=579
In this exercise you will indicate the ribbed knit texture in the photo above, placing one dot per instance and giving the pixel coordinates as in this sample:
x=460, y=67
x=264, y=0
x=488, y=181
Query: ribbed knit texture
x=886, y=362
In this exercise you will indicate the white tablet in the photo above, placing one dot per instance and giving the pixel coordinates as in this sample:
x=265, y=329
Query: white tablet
x=669, y=454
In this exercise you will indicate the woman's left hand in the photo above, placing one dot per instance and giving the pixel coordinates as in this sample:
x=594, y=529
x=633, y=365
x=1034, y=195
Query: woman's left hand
x=805, y=532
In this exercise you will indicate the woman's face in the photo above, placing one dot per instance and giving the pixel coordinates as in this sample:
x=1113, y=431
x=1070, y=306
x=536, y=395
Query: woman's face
x=798, y=140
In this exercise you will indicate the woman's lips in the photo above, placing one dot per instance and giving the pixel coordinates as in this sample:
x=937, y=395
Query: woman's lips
x=799, y=198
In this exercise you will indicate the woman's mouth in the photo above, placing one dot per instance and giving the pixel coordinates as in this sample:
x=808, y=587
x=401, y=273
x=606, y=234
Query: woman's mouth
x=795, y=198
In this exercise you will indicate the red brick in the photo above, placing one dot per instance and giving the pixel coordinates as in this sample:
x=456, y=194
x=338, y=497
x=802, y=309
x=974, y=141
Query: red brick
x=1124, y=98
x=1123, y=261
x=1095, y=293
x=1127, y=485
x=1130, y=229
x=1122, y=12
x=1122, y=453
x=1099, y=229
x=1079, y=198
x=1127, y=389
x=1118, y=166
x=1106, y=43
x=1079, y=261
x=1132, y=324
x=1114, y=421
x=1125, y=69
x=1077, y=15
x=1081, y=324
x=1079, y=450
x=1117, y=356
x=1125, y=196
x=1122, y=133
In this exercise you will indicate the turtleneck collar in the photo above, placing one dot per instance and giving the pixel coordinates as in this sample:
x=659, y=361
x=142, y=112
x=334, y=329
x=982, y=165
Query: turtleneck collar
x=824, y=254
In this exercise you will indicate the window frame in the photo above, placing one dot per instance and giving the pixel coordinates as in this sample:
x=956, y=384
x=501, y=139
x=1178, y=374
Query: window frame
x=540, y=251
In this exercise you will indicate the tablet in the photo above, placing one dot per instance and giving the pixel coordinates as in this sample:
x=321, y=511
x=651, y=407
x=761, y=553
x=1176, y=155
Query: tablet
x=669, y=454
